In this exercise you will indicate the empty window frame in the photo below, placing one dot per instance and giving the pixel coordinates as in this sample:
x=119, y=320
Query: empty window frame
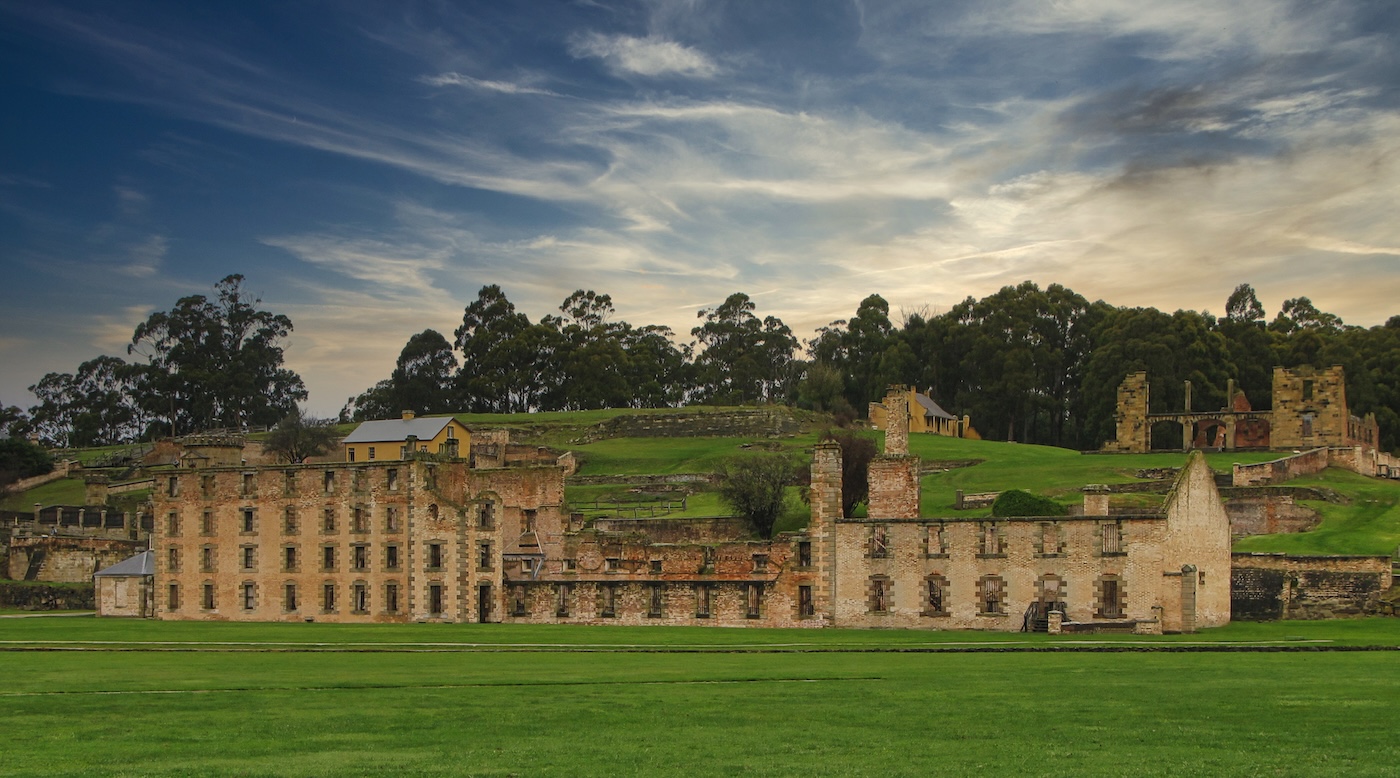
x=804, y=553
x=484, y=556
x=172, y=597
x=328, y=519
x=760, y=563
x=172, y=524
x=172, y=559
x=1050, y=540
x=249, y=526
x=250, y=595
x=391, y=556
x=806, y=606
x=391, y=597
x=206, y=523
x=753, y=601
x=517, y=600
x=435, y=599
x=359, y=556
x=607, y=601
x=655, y=601
x=486, y=517
x=991, y=541
x=879, y=541
x=289, y=520
x=434, y=556
x=328, y=481
x=562, y=595
x=250, y=557
x=935, y=595
x=359, y=597
x=289, y=559
x=880, y=594
x=991, y=596
x=208, y=597
x=328, y=597
x=289, y=597
x=703, y=604
x=936, y=540
x=249, y=486
x=359, y=521
x=392, y=479
x=391, y=518
x=328, y=558
x=208, y=559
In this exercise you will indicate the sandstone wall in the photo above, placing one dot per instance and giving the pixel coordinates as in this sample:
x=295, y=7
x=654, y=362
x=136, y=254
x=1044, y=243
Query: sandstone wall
x=65, y=559
x=1277, y=586
x=1280, y=470
x=1268, y=515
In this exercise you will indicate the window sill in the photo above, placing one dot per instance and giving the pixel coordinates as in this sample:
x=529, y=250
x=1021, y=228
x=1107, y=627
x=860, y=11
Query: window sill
x=999, y=555
x=1113, y=553
x=992, y=615
x=934, y=614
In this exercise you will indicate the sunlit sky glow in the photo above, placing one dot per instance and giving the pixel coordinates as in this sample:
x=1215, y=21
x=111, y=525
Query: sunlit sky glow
x=369, y=166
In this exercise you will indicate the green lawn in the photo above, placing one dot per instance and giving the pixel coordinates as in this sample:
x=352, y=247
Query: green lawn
x=851, y=708
x=1369, y=523
x=636, y=456
x=65, y=491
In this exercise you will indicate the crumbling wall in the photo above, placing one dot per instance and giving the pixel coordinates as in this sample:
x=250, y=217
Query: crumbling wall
x=1268, y=515
x=1309, y=407
x=65, y=559
x=1265, y=587
x=1133, y=431
x=1279, y=470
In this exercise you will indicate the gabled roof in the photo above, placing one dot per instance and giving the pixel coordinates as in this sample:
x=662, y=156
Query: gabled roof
x=398, y=430
x=931, y=408
x=143, y=563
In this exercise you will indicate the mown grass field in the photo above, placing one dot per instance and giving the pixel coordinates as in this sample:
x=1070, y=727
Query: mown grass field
x=507, y=700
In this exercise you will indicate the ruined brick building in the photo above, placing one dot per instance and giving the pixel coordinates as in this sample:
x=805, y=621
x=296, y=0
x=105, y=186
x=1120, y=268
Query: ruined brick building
x=440, y=538
x=1309, y=411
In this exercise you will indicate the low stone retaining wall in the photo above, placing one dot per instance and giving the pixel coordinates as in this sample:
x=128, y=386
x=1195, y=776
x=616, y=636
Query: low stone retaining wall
x=759, y=422
x=1280, y=470
x=32, y=597
x=1265, y=587
x=639, y=480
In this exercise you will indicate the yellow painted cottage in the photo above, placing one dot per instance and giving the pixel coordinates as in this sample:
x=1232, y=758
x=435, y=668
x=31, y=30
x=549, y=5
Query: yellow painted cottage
x=926, y=416
x=392, y=438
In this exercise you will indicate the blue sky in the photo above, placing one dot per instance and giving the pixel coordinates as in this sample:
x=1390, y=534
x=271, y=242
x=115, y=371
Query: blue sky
x=369, y=166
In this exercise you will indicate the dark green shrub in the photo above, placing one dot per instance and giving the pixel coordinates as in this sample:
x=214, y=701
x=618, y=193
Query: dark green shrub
x=1018, y=503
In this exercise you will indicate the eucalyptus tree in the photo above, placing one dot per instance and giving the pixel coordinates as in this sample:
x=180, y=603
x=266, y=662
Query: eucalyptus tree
x=216, y=363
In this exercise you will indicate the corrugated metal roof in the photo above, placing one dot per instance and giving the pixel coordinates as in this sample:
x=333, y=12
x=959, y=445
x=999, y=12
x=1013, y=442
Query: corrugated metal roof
x=143, y=563
x=398, y=430
x=931, y=408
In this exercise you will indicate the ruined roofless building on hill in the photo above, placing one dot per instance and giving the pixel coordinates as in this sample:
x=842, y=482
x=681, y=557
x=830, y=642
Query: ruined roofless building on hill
x=441, y=538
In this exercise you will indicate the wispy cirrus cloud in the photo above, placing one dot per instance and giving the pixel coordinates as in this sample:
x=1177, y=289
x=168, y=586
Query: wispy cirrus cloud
x=644, y=56
x=486, y=85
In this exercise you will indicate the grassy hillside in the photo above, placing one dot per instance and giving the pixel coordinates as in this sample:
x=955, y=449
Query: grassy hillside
x=1366, y=522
